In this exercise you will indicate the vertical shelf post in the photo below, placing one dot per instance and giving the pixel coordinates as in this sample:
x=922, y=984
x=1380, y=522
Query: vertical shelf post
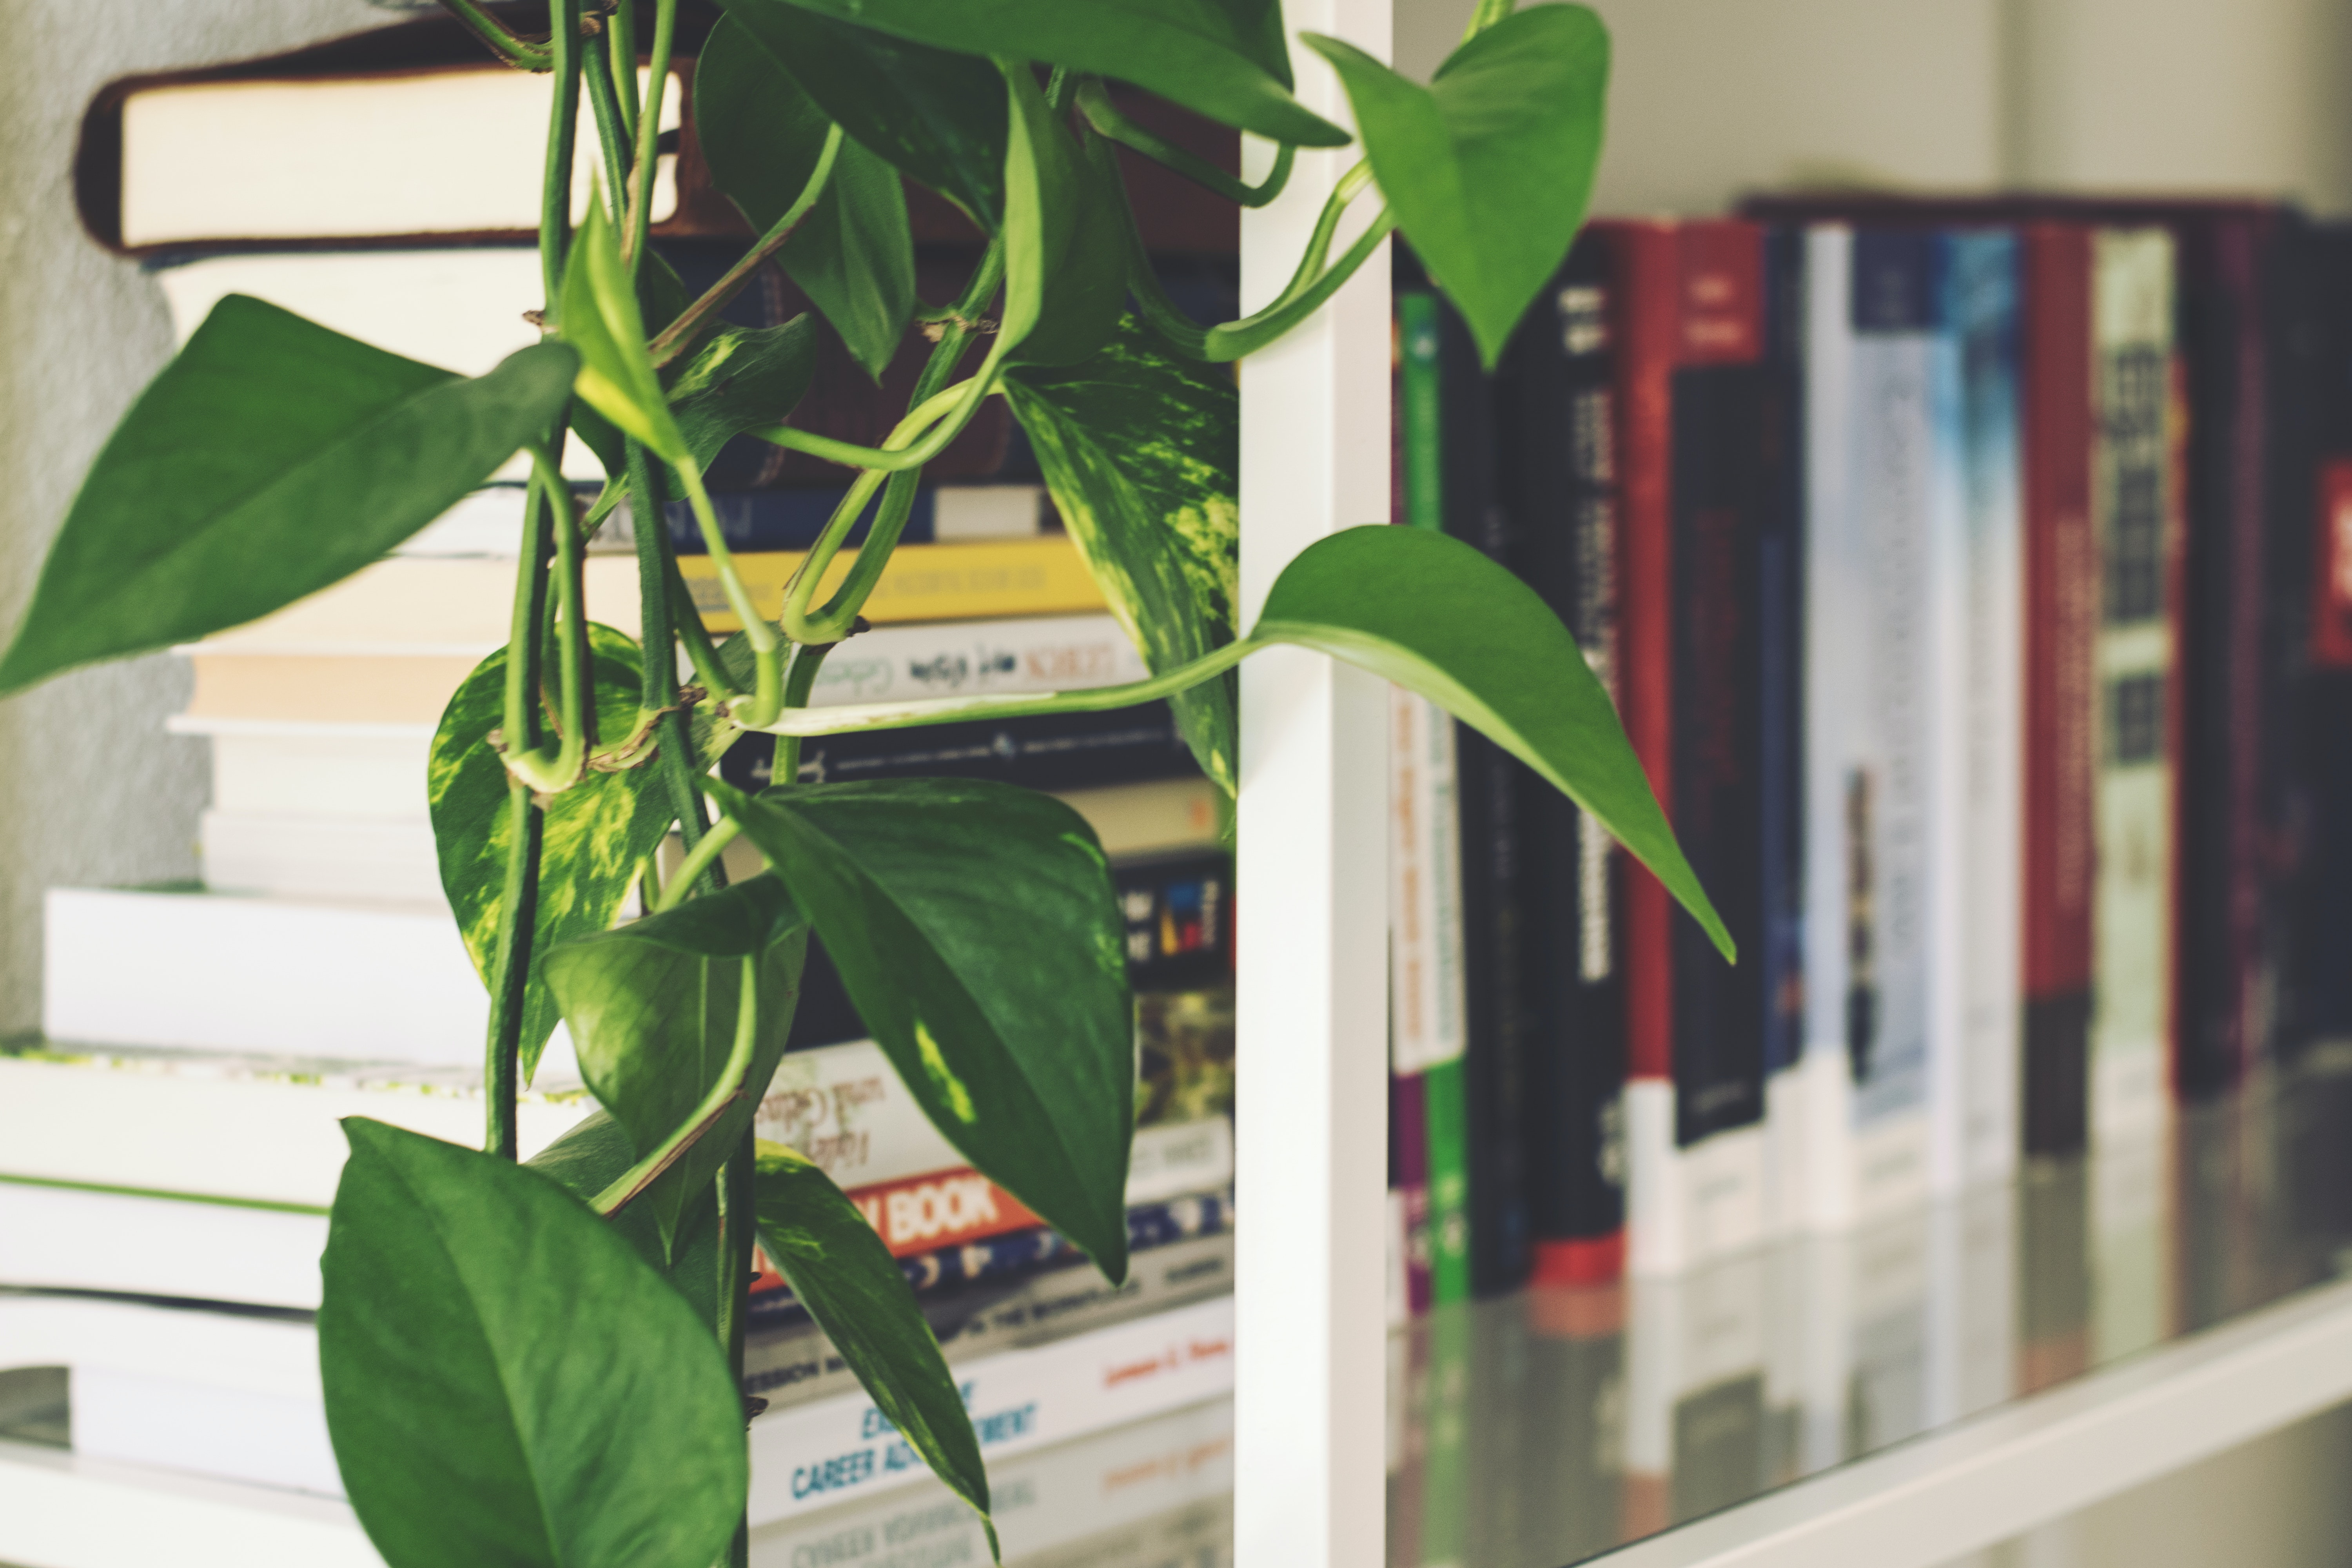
x=1311, y=850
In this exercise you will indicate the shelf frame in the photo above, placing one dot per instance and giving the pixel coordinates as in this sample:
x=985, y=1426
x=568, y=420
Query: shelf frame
x=1982, y=1481
x=1311, y=978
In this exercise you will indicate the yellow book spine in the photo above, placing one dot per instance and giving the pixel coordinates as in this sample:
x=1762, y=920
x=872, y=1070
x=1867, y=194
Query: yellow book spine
x=1041, y=576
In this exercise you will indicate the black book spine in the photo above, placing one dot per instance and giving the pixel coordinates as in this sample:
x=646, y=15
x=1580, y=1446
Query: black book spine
x=1557, y=422
x=1490, y=784
x=1720, y=496
x=1041, y=750
x=1780, y=664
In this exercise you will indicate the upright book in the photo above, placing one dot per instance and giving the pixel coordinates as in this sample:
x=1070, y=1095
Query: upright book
x=1696, y=501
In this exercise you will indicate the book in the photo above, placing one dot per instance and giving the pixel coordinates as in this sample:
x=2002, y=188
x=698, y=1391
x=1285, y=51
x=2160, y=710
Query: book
x=1872, y=377
x=2138, y=516
x=1557, y=476
x=1064, y=749
x=1429, y=1026
x=1978, y=709
x=233, y=1127
x=792, y=519
x=2061, y=861
x=406, y=603
x=791, y=1361
x=1145, y=1496
x=1180, y=222
x=212, y=1393
x=464, y=309
x=222, y=971
x=2324, y=991
x=1688, y=335
x=2244, y=327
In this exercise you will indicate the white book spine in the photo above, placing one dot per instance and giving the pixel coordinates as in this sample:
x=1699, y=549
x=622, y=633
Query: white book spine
x=1981, y=842
x=1427, y=1004
x=812, y=1455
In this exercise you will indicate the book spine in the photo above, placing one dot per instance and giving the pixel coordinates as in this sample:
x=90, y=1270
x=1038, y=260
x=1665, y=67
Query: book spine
x=1149, y=1227
x=1041, y=750
x=1689, y=389
x=2326, y=925
x=996, y=578
x=825, y=1452
x=1719, y=496
x=2219, y=911
x=1780, y=718
x=2059, y=868
x=1560, y=485
x=1430, y=995
x=1490, y=785
x=2136, y=666
x=1985, y=766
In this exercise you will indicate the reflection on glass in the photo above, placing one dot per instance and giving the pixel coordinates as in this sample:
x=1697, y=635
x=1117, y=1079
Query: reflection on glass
x=1542, y=1428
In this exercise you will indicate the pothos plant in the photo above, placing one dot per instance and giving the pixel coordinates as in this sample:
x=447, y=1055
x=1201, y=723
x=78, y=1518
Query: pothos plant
x=540, y=1363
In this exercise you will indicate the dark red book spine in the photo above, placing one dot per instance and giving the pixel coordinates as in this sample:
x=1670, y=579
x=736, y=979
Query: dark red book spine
x=2062, y=628
x=1646, y=306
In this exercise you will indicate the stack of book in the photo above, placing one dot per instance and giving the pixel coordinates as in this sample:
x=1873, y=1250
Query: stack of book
x=169, y=1150
x=1969, y=575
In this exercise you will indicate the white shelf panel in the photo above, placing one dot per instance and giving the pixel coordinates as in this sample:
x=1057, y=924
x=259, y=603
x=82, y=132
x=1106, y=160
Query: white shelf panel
x=60, y=1511
x=1958, y=1491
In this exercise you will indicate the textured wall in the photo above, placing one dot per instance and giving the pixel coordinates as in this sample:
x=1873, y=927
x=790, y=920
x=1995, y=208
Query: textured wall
x=90, y=788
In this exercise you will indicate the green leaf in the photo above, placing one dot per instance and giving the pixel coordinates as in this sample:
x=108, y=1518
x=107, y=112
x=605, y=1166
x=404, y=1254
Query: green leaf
x=974, y=927
x=1066, y=244
x=852, y=253
x=845, y=1277
x=590, y=1157
x=601, y=320
x=1490, y=167
x=1221, y=57
x=742, y=378
x=853, y=256
x=1140, y=447
x=270, y=458
x=938, y=115
x=598, y=832
x=506, y=1382
x=1438, y=618
x=653, y=1009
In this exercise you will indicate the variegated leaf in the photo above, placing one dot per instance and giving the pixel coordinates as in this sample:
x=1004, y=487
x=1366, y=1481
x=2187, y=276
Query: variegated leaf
x=1141, y=449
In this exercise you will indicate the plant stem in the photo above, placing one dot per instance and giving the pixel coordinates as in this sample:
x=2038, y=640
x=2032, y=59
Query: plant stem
x=738, y=1200
x=552, y=769
x=675, y=752
x=672, y=340
x=708, y=848
x=945, y=415
x=1095, y=103
x=611, y=136
x=768, y=688
x=785, y=769
x=621, y=61
x=518, y=896
x=563, y=127
x=649, y=128
x=1489, y=12
x=513, y=50
x=629, y=1183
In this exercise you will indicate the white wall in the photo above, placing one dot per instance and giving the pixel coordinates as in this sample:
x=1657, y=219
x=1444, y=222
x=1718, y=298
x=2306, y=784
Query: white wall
x=1712, y=98
x=91, y=790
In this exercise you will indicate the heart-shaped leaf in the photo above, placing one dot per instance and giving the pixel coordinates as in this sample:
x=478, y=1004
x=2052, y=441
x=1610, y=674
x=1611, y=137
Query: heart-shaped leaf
x=601, y=320
x=1066, y=244
x=853, y=253
x=597, y=834
x=1140, y=447
x=845, y=1277
x=937, y=115
x=973, y=925
x=1488, y=168
x=270, y=458
x=742, y=378
x=590, y=1158
x=507, y=1381
x=1438, y=618
x=655, y=1008
x=1221, y=57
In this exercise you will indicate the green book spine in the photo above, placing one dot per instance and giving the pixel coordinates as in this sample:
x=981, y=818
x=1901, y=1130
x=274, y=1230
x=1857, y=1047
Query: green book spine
x=1420, y=414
